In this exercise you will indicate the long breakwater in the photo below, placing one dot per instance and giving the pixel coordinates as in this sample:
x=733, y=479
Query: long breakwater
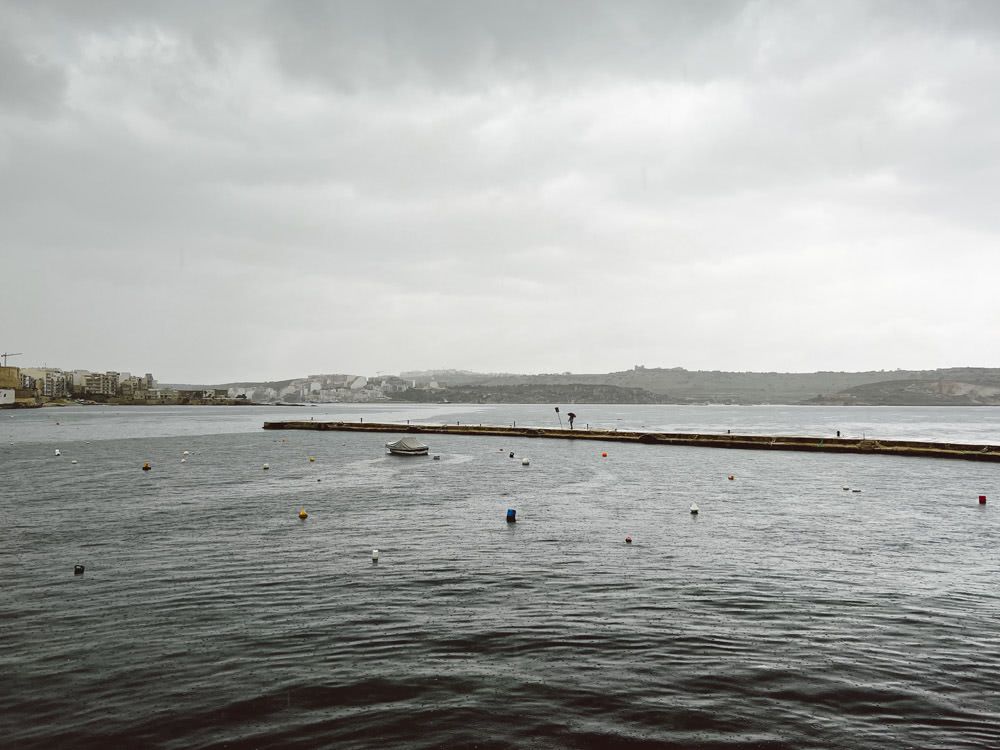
x=969, y=452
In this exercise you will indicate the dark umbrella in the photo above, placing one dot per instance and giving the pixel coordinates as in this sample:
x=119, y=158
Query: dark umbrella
x=571, y=416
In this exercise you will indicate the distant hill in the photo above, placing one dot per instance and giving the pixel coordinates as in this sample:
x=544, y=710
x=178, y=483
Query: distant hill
x=915, y=393
x=968, y=386
x=677, y=385
x=537, y=393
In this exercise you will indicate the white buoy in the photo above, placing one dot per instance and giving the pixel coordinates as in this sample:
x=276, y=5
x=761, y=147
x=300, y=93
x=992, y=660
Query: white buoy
x=57, y=452
x=525, y=462
x=694, y=509
x=267, y=466
x=184, y=460
x=374, y=555
x=74, y=461
x=187, y=453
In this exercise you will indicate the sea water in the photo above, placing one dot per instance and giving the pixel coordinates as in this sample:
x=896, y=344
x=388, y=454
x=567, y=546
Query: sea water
x=788, y=613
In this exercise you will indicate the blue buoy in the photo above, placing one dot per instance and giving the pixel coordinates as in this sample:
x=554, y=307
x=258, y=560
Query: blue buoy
x=511, y=515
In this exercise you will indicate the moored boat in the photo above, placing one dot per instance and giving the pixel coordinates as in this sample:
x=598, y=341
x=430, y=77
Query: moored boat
x=407, y=446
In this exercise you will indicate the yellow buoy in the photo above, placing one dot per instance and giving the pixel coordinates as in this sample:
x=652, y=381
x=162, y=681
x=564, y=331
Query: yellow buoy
x=146, y=466
x=311, y=459
x=302, y=514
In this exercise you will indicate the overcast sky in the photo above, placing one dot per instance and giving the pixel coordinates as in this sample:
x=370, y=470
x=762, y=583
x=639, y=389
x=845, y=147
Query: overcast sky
x=253, y=190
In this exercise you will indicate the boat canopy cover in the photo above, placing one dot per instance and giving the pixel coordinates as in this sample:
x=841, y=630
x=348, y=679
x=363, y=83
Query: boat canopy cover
x=406, y=444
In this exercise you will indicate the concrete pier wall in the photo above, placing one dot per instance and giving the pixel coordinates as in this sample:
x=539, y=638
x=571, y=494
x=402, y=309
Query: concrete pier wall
x=747, y=442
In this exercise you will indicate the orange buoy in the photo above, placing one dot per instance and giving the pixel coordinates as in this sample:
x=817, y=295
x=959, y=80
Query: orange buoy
x=302, y=514
x=146, y=466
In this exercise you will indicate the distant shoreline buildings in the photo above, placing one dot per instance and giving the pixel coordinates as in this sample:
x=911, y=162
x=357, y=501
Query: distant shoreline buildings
x=326, y=389
x=36, y=386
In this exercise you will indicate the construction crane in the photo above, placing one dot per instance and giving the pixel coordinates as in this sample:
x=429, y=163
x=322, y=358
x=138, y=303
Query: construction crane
x=9, y=354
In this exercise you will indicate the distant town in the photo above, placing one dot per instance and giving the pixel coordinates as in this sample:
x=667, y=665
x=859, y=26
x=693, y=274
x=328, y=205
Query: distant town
x=38, y=386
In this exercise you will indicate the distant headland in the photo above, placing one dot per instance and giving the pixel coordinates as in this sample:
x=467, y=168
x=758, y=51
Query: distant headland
x=957, y=386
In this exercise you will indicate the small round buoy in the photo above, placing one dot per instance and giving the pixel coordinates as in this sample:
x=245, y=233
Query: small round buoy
x=186, y=453
x=57, y=452
x=694, y=509
x=511, y=515
x=604, y=454
x=74, y=461
x=146, y=466
x=847, y=489
x=78, y=570
x=302, y=514
x=311, y=459
x=319, y=480
x=266, y=467
x=512, y=454
x=628, y=540
x=982, y=499
x=731, y=477
x=374, y=555
x=525, y=462
x=184, y=460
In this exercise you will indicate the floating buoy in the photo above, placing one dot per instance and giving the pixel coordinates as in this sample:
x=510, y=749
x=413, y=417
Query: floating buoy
x=74, y=461
x=604, y=454
x=855, y=490
x=847, y=489
x=78, y=570
x=374, y=555
x=319, y=480
x=731, y=477
x=512, y=454
x=511, y=515
x=525, y=462
x=302, y=514
x=186, y=453
x=694, y=509
x=184, y=460
x=57, y=452
x=146, y=466
x=628, y=540
x=311, y=459
x=266, y=467
x=437, y=458
x=982, y=499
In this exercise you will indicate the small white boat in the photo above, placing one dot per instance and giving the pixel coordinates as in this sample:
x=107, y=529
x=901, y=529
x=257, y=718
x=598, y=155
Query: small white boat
x=407, y=446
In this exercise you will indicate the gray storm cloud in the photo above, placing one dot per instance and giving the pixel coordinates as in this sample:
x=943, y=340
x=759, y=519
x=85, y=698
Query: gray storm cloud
x=259, y=190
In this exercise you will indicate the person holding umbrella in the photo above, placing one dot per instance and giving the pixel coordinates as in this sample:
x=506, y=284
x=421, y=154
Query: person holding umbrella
x=571, y=416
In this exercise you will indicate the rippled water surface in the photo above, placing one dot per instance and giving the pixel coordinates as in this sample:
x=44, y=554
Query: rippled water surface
x=788, y=613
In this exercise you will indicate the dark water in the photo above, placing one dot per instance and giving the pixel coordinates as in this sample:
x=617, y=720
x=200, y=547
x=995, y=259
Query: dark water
x=788, y=613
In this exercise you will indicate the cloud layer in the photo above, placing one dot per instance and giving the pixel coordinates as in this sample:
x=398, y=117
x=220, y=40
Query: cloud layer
x=259, y=190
